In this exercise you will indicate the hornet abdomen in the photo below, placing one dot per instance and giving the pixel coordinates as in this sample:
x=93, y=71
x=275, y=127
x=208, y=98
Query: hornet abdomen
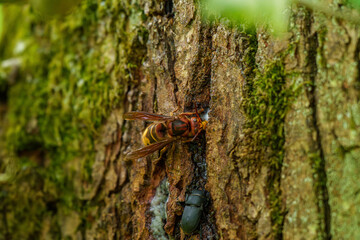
x=155, y=132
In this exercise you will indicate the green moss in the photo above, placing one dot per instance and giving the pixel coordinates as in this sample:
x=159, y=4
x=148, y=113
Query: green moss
x=73, y=73
x=266, y=105
x=249, y=58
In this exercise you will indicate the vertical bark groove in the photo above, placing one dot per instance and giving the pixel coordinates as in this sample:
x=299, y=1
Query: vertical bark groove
x=171, y=58
x=357, y=60
x=318, y=159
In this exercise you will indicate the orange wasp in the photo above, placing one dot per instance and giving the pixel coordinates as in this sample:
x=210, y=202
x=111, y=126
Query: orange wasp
x=165, y=130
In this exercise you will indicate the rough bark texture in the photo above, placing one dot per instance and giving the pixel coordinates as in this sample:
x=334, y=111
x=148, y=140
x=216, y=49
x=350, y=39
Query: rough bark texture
x=279, y=159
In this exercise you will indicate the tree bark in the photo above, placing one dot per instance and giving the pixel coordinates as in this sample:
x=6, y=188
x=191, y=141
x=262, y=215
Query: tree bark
x=279, y=158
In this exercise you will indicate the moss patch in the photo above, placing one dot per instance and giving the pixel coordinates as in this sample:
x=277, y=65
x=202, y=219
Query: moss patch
x=73, y=72
x=267, y=102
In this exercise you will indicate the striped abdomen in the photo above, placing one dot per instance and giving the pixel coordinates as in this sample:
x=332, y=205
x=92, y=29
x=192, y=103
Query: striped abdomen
x=155, y=132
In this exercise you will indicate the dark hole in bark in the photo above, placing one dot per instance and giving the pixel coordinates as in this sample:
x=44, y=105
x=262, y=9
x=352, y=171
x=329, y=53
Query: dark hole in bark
x=51, y=206
x=169, y=6
x=3, y=94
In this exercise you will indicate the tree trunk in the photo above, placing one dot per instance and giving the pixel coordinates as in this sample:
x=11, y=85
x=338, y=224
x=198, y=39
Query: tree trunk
x=279, y=158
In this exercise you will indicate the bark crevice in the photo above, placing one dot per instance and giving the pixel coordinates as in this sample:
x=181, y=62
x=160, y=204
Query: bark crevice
x=171, y=58
x=357, y=60
x=317, y=157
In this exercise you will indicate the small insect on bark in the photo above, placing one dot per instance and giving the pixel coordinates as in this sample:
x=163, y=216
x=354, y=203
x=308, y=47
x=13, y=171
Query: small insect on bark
x=193, y=210
x=165, y=130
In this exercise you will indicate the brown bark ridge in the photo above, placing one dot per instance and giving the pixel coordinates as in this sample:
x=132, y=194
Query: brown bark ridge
x=279, y=158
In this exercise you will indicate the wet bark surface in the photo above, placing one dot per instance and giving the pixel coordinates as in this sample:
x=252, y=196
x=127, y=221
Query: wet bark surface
x=279, y=157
